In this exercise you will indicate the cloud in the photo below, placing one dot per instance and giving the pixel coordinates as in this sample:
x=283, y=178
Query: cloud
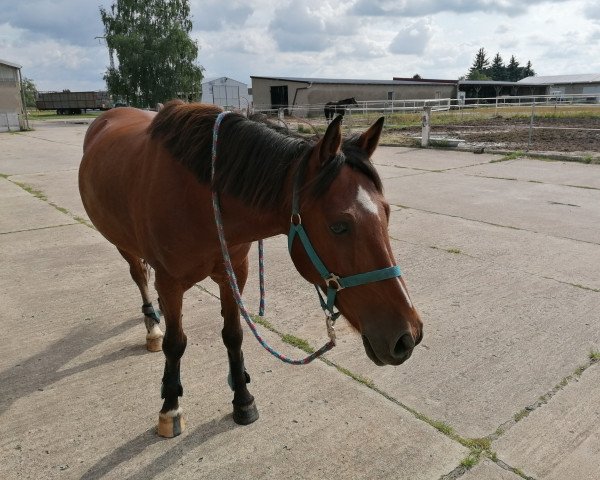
x=409, y=8
x=412, y=39
x=296, y=28
x=65, y=20
x=592, y=10
x=216, y=14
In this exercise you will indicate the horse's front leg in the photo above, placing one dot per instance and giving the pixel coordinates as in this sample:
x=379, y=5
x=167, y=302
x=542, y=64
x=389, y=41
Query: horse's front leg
x=170, y=420
x=244, y=408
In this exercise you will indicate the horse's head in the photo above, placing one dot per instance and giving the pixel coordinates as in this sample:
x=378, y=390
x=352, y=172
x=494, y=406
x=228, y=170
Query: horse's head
x=352, y=101
x=345, y=216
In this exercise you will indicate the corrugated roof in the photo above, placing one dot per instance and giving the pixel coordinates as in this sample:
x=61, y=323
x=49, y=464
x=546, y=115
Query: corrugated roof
x=493, y=82
x=554, y=79
x=10, y=64
x=347, y=81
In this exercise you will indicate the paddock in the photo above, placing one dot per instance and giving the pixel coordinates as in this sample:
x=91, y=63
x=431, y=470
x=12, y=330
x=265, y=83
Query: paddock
x=501, y=258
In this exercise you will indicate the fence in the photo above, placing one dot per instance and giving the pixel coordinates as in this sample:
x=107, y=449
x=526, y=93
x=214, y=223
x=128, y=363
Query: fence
x=540, y=122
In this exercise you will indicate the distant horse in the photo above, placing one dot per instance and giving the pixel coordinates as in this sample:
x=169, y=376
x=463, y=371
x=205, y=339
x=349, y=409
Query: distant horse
x=145, y=182
x=333, y=108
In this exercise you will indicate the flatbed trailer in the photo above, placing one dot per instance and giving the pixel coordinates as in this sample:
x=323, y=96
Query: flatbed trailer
x=73, y=103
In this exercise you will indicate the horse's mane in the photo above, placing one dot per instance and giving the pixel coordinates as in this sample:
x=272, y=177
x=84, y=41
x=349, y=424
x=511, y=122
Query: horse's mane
x=254, y=158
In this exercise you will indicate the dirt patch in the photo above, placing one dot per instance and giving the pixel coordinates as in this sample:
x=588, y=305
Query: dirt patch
x=581, y=135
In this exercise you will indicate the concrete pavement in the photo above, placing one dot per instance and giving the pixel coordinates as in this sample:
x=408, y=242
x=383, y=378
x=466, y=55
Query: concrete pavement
x=500, y=258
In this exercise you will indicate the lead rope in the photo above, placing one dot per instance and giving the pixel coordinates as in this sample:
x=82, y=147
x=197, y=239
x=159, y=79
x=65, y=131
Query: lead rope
x=231, y=274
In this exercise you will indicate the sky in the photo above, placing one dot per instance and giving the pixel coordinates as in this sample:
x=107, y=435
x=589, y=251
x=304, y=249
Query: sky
x=56, y=40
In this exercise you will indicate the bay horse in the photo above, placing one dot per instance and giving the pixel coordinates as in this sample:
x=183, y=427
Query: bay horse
x=145, y=182
x=333, y=108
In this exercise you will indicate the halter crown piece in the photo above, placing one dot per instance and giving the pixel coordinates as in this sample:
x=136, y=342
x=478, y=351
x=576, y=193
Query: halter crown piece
x=333, y=282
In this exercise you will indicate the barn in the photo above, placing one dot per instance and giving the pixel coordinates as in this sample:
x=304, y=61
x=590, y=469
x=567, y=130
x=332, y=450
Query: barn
x=11, y=98
x=584, y=84
x=226, y=92
x=290, y=92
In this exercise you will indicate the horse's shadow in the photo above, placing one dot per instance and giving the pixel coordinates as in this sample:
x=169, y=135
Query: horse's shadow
x=136, y=446
x=45, y=368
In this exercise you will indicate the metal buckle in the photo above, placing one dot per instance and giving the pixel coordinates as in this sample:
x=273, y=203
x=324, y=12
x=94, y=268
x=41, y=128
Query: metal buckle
x=333, y=281
x=330, y=322
x=296, y=216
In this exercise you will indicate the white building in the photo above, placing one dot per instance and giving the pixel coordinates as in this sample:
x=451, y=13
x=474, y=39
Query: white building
x=226, y=92
x=12, y=112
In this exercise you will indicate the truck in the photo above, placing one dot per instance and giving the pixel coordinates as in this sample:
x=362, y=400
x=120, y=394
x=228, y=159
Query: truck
x=73, y=103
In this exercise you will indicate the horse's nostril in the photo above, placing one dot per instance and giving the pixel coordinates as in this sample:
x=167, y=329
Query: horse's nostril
x=404, y=344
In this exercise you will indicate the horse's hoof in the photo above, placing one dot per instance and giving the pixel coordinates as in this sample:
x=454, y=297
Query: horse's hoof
x=245, y=415
x=154, y=339
x=171, y=424
x=154, y=344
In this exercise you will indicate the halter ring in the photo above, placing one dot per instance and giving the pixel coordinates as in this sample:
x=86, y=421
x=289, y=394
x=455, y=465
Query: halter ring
x=333, y=281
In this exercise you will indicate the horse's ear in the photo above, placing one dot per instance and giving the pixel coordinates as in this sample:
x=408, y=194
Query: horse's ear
x=369, y=140
x=332, y=141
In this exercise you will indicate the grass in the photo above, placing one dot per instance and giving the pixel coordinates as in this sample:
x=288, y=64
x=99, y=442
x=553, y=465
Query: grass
x=33, y=191
x=298, y=343
x=455, y=251
x=594, y=355
x=52, y=115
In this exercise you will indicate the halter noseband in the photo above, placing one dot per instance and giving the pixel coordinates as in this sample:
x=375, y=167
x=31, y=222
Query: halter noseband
x=334, y=282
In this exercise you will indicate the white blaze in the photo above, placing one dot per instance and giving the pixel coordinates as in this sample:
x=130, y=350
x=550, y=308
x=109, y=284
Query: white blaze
x=364, y=200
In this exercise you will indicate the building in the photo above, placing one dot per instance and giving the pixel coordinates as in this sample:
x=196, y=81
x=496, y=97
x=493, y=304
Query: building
x=585, y=84
x=291, y=92
x=226, y=92
x=12, y=112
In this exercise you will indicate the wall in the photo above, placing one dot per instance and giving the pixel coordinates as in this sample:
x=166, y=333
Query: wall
x=10, y=98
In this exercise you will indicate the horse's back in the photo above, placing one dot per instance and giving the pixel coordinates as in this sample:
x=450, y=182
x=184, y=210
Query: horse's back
x=113, y=149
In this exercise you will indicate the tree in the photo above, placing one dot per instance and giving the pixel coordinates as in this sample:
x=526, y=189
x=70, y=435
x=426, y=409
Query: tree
x=29, y=92
x=481, y=63
x=528, y=70
x=156, y=56
x=513, y=70
x=498, y=70
x=477, y=75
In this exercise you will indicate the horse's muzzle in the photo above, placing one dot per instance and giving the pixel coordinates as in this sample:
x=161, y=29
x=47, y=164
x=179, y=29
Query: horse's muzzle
x=395, y=354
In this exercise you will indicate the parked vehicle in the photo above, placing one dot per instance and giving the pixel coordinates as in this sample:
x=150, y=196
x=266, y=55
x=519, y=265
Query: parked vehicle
x=73, y=103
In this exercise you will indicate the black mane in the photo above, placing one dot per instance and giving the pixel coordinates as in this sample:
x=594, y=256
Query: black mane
x=253, y=158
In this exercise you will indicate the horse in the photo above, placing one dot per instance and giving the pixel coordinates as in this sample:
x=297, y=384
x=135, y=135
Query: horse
x=146, y=184
x=333, y=108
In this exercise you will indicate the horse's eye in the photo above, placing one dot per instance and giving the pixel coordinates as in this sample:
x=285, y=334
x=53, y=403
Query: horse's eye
x=339, y=228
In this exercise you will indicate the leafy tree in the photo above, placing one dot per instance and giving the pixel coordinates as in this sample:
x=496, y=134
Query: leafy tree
x=481, y=63
x=498, y=70
x=416, y=76
x=156, y=56
x=29, y=92
x=477, y=75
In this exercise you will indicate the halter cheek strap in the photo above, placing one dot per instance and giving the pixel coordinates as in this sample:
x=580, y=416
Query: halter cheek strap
x=333, y=282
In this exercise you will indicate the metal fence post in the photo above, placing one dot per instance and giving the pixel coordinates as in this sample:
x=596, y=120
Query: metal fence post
x=425, y=126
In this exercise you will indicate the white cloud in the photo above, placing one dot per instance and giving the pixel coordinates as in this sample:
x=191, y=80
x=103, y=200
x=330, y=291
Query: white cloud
x=412, y=38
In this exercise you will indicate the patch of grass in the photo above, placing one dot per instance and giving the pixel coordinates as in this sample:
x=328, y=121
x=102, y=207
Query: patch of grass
x=470, y=461
x=355, y=376
x=479, y=444
x=442, y=427
x=513, y=155
x=456, y=251
x=262, y=321
x=33, y=191
x=595, y=355
x=580, y=370
x=521, y=415
x=3, y=175
x=297, y=342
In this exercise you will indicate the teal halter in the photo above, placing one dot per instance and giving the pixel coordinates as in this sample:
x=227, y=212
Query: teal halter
x=334, y=282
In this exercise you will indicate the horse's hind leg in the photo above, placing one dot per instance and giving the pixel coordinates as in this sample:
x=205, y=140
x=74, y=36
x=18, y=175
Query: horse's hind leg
x=244, y=408
x=140, y=272
x=170, y=420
